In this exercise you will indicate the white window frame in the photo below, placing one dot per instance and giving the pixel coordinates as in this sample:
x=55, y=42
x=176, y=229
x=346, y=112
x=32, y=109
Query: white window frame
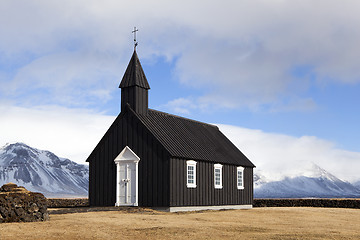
x=218, y=167
x=240, y=170
x=191, y=163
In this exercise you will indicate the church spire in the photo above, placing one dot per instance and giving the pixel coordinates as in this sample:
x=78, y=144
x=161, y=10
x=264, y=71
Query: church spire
x=134, y=87
x=134, y=74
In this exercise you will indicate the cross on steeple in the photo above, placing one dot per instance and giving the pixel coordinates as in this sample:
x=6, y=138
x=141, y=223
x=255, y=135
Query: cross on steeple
x=135, y=42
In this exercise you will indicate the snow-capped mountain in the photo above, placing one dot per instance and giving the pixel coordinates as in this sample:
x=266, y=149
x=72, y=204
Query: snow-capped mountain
x=314, y=183
x=42, y=171
x=357, y=184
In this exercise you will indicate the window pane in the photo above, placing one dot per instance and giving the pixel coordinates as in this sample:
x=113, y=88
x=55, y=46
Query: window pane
x=217, y=177
x=240, y=178
x=190, y=174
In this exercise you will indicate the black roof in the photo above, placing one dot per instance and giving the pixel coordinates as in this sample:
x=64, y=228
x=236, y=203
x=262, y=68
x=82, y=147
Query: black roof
x=190, y=139
x=134, y=74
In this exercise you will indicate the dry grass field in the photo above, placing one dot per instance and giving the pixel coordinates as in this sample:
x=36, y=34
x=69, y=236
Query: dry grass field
x=257, y=223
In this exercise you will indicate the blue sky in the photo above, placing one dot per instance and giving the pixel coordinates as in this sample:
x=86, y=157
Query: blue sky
x=284, y=68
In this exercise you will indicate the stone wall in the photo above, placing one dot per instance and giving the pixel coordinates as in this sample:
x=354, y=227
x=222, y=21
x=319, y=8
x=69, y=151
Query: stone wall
x=20, y=205
x=329, y=203
x=67, y=202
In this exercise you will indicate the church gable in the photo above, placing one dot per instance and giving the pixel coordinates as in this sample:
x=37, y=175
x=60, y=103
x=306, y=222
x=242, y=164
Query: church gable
x=125, y=129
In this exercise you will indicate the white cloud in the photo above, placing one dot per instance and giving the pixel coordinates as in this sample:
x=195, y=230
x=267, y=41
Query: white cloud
x=181, y=105
x=294, y=104
x=185, y=106
x=69, y=79
x=211, y=103
x=69, y=133
x=277, y=155
x=242, y=52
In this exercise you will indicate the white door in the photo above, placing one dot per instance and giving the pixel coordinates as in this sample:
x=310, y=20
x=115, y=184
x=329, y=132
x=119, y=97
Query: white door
x=127, y=184
x=127, y=178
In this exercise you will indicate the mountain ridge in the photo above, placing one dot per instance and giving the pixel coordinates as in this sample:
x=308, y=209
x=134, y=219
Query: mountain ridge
x=42, y=171
x=313, y=183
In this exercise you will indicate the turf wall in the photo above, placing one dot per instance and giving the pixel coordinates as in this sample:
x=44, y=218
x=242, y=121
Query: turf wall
x=316, y=202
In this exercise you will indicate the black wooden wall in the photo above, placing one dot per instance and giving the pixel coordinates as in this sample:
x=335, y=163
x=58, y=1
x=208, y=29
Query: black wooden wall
x=205, y=193
x=153, y=166
x=136, y=97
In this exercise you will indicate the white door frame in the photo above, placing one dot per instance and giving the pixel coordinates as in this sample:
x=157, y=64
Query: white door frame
x=126, y=158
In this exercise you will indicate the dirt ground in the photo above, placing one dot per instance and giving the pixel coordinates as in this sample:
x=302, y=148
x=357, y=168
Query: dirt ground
x=257, y=223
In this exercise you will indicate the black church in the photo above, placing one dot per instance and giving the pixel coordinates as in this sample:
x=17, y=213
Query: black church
x=154, y=159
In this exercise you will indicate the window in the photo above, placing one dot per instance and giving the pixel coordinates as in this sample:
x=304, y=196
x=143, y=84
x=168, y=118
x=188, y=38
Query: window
x=218, y=175
x=191, y=174
x=240, y=177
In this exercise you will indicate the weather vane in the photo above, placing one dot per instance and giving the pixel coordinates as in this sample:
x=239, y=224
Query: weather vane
x=135, y=42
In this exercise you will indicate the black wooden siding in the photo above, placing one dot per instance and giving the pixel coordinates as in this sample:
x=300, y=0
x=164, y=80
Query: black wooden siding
x=205, y=193
x=136, y=97
x=153, y=165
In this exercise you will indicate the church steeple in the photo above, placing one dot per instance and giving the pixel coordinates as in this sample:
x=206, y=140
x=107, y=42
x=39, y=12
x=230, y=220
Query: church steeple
x=134, y=87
